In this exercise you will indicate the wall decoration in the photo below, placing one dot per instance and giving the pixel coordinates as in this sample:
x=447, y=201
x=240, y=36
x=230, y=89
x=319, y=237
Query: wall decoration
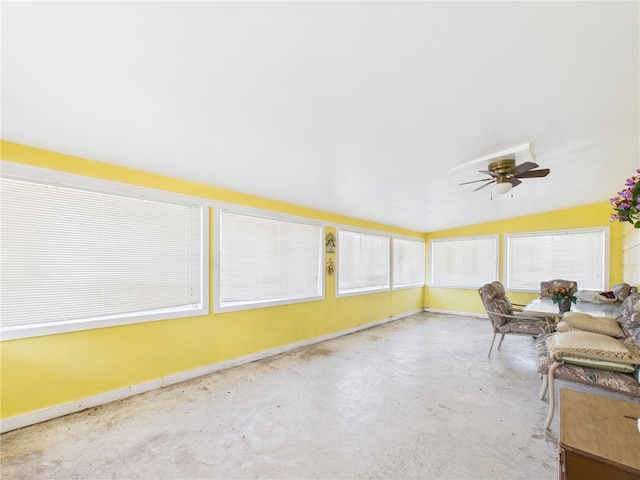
x=331, y=243
x=330, y=266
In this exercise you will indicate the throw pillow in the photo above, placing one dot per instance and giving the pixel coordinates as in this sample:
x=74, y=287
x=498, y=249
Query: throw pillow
x=590, y=345
x=583, y=321
x=621, y=291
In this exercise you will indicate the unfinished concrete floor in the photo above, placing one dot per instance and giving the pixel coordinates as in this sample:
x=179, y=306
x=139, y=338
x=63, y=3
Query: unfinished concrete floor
x=415, y=398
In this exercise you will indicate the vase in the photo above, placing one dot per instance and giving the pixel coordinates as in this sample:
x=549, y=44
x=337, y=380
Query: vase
x=565, y=306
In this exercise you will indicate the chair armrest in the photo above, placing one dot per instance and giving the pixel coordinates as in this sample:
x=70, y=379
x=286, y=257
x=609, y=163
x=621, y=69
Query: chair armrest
x=525, y=317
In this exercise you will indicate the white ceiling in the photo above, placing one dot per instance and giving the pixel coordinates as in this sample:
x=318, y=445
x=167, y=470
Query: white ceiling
x=365, y=109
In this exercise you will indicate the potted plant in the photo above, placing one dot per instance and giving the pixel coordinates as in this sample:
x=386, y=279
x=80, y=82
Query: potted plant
x=564, y=297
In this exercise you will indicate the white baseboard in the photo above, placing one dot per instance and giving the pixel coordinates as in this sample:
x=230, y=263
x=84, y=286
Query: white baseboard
x=453, y=312
x=37, y=416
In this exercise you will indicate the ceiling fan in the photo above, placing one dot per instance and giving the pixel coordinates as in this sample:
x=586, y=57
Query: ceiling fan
x=505, y=174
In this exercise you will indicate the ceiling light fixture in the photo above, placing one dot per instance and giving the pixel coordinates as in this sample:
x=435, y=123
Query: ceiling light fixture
x=502, y=186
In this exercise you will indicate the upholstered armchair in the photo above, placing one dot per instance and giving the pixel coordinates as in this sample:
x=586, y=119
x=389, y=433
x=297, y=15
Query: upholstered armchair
x=504, y=319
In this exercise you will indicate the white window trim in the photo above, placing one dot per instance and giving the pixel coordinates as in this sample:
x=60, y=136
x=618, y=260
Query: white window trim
x=54, y=177
x=254, y=212
x=607, y=252
x=495, y=237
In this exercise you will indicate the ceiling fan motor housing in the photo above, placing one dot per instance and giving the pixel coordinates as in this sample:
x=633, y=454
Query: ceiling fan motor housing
x=502, y=166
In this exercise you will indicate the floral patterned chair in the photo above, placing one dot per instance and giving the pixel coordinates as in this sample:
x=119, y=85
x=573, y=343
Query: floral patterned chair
x=547, y=286
x=504, y=318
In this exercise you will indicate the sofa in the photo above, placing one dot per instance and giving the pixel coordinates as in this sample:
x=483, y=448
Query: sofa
x=603, y=353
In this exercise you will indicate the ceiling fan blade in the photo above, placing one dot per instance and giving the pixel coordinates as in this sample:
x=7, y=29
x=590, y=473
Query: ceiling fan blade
x=489, y=172
x=543, y=172
x=514, y=181
x=523, y=167
x=485, y=185
x=476, y=181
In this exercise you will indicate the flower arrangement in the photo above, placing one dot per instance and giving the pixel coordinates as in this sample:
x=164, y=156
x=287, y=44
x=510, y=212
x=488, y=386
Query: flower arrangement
x=562, y=295
x=627, y=204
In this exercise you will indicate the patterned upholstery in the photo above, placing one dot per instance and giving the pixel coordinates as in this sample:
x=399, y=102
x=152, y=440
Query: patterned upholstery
x=612, y=381
x=625, y=383
x=618, y=293
x=621, y=291
x=503, y=317
x=551, y=284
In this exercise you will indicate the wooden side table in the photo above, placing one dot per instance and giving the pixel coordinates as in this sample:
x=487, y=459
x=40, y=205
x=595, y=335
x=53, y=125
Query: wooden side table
x=599, y=438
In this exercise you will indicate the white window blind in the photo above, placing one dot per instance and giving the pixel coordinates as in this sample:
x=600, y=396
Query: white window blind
x=74, y=256
x=578, y=255
x=464, y=261
x=363, y=262
x=408, y=262
x=267, y=260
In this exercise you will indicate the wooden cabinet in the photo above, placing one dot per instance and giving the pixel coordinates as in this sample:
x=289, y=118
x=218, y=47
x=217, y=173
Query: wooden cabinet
x=599, y=438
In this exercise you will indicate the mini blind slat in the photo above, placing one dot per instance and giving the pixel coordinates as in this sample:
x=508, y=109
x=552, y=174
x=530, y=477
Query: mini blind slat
x=71, y=254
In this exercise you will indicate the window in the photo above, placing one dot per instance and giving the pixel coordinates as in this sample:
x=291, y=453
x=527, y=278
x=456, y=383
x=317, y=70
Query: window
x=363, y=262
x=579, y=255
x=408, y=262
x=80, y=253
x=266, y=261
x=467, y=262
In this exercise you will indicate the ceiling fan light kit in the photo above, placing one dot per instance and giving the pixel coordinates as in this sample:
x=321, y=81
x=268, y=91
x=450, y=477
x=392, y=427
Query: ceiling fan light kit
x=500, y=188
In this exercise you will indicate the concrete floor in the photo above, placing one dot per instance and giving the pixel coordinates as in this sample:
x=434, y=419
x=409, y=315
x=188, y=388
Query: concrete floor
x=415, y=398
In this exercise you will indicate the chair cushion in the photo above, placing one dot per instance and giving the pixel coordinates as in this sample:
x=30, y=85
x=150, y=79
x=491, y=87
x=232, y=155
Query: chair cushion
x=629, y=318
x=590, y=345
x=621, y=291
x=612, y=381
x=587, y=323
x=522, y=325
x=617, y=294
x=495, y=301
x=600, y=364
x=552, y=284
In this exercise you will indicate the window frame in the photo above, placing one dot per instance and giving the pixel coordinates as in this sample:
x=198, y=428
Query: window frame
x=432, y=282
x=606, y=256
x=218, y=307
x=33, y=174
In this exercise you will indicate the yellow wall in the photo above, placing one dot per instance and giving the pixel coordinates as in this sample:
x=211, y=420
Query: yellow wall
x=467, y=300
x=51, y=370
